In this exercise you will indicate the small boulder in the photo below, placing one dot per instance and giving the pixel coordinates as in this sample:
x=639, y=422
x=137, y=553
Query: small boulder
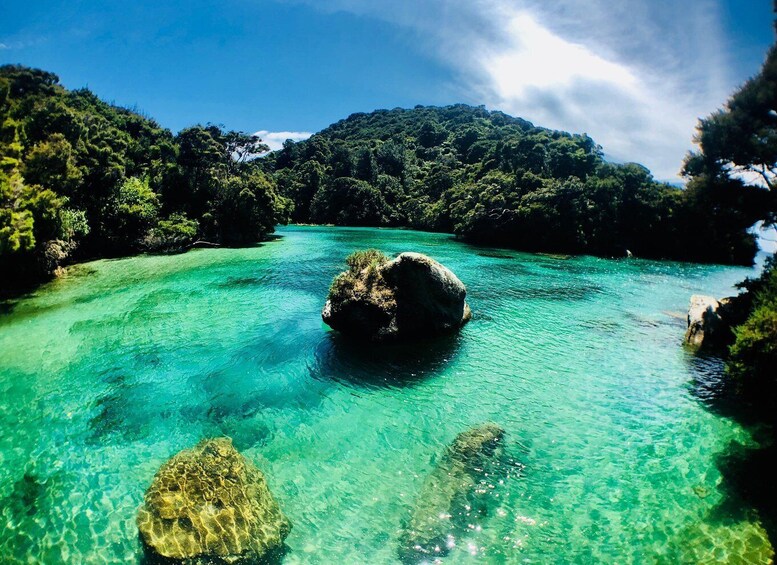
x=382, y=300
x=704, y=321
x=452, y=495
x=710, y=322
x=209, y=504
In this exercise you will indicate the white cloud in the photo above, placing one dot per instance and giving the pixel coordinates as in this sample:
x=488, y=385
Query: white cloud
x=275, y=139
x=634, y=74
x=540, y=59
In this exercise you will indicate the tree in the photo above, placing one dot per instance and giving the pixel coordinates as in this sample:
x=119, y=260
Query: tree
x=130, y=212
x=310, y=177
x=738, y=144
x=171, y=234
x=247, y=208
x=391, y=158
x=16, y=221
x=241, y=147
x=348, y=201
x=754, y=352
x=496, y=179
x=342, y=162
x=431, y=134
x=52, y=163
x=742, y=138
x=78, y=172
x=287, y=155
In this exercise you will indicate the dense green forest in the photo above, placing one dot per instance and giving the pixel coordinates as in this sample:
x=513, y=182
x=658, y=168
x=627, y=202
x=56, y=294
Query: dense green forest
x=494, y=179
x=80, y=178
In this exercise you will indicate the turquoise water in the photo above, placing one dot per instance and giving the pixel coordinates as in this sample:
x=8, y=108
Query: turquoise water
x=110, y=370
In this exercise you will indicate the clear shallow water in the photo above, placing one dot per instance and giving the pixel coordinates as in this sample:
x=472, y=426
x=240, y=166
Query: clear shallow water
x=106, y=373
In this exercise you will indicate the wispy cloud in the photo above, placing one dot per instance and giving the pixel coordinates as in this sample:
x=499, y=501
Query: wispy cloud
x=634, y=74
x=275, y=139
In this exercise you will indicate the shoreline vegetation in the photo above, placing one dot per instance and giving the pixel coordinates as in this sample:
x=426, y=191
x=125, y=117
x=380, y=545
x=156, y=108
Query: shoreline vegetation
x=736, y=143
x=81, y=179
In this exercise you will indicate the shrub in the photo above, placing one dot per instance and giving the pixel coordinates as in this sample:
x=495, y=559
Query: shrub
x=360, y=260
x=362, y=275
x=172, y=234
x=753, y=356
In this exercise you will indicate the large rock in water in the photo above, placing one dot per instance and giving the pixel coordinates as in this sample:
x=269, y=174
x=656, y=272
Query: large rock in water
x=448, y=497
x=710, y=322
x=210, y=505
x=409, y=296
x=704, y=321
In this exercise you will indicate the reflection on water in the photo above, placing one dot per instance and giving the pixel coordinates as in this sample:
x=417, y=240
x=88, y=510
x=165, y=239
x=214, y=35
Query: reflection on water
x=381, y=365
x=748, y=485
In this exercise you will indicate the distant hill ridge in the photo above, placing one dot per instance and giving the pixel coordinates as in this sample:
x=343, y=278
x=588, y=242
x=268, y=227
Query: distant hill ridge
x=496, y=179
x=80, y=178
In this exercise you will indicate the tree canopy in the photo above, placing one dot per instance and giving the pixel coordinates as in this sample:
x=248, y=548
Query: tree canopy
x=81, y=178
x=738, y=146
x=495, y=179
x=734, y=176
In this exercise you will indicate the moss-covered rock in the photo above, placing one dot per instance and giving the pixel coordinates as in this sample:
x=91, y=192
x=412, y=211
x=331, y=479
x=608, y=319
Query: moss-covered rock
x=209, y=504
x=382, y=300
x=449, y=496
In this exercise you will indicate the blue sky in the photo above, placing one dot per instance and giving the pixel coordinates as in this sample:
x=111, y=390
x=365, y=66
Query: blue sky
x=634, y=74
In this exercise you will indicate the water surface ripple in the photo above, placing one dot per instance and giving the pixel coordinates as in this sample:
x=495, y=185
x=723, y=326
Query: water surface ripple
x=106, y=373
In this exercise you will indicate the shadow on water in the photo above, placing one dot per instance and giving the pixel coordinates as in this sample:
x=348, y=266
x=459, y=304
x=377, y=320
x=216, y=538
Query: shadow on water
x=748, y=486
x=720, y=395
x=237, y=282
x=372, y=365
x=126, y=407
x=710, y=386
x=562, y=293
x=25, y=498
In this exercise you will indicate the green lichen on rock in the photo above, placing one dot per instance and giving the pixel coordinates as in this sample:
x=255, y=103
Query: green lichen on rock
x=209, y=504
x=452, y=494
x=360, y=297
x=383, y=300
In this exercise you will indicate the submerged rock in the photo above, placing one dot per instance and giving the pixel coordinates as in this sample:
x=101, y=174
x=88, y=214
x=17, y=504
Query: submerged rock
x=209, y=504
x=733, y=542
x=449, y=496
x=710, y=322
x=409, y=296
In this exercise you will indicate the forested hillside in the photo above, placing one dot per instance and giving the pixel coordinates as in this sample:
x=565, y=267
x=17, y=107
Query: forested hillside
x=495, y=179
x=80, y=178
